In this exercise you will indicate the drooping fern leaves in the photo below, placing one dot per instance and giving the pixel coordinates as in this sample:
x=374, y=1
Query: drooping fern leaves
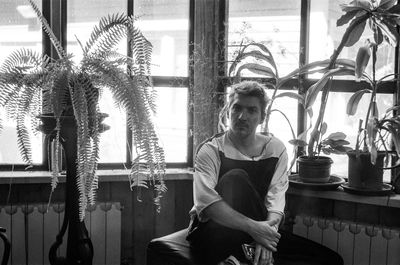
x=74, y=90
x=46, y=27
x=107, y=34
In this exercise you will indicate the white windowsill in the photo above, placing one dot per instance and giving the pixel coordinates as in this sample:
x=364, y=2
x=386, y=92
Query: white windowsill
x=118, y=175
x=392, y=200
x=111, y=175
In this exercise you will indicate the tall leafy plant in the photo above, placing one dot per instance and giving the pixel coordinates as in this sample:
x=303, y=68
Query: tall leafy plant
x=357, y=15
x=258, y=59
x=32, y=84
x=375, y=133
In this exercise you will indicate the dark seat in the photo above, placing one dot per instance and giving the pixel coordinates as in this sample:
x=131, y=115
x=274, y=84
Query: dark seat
x=7, y=246
x=172, y=249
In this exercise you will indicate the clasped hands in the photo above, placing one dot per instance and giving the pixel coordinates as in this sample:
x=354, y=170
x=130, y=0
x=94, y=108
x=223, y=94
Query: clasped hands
x=266, y=238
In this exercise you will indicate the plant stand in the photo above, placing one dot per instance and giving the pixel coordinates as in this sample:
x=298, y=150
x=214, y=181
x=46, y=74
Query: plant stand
x=79, y=245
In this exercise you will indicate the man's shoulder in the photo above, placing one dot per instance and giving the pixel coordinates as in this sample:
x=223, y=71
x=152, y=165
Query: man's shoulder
x=274, y=144
x=213, y=143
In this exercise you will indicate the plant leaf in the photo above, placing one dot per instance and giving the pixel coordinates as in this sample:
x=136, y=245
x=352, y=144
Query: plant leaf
x=390, y=32
x=354, y=100
x=336, y=136
x=394, y=9
x=313, y=91
x=362, y=59
x=395, y=137
x=257, y=69
x=324, y=127
x=386, y=4
x=378, y=36
x=298, y=97
x=345, y=18
x=356, y=33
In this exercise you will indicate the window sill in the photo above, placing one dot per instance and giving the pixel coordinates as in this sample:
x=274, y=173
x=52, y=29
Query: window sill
x=392, y=200
x=117, y=175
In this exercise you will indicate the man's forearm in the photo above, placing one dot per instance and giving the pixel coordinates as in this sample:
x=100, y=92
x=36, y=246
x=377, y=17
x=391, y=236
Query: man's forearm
x=221, y=213
x=261, y=231
x=276, y=218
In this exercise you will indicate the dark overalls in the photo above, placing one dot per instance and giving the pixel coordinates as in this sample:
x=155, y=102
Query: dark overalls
x=243, y=185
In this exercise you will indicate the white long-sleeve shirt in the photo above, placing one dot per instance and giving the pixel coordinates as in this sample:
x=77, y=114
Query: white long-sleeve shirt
x=207, y=167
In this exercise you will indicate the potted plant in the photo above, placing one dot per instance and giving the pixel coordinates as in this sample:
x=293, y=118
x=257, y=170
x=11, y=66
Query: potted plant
x=258, y=59
x=65, y=97
x=376, y=134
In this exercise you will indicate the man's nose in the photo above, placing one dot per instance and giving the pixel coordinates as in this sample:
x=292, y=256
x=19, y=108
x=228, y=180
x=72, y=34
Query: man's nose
x=243, y=115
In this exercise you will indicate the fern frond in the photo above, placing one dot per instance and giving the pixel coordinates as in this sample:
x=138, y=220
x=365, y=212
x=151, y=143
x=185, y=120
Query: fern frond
x=59, y=94
x=46, y=27
x=55, y=172
x=23, y=140
x=106, y=34
x=140, y=46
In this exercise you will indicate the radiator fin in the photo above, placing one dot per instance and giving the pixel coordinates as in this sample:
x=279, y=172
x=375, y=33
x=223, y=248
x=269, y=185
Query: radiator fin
x=357, y=243
x=32, y=229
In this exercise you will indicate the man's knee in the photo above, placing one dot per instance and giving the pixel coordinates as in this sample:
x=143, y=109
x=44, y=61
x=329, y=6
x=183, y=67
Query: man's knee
x=235, y=176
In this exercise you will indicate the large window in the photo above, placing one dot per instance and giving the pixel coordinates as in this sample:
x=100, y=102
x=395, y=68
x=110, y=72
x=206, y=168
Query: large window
x=278, y=25
x=19, y=29
x=168, y=33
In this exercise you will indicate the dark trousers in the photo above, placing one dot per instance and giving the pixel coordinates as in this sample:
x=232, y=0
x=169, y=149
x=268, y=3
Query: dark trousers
x=214, y=242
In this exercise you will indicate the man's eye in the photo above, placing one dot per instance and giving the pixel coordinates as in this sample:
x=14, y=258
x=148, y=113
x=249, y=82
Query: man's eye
x=236, y=108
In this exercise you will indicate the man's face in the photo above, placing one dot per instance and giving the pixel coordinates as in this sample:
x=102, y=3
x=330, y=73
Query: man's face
x=245, y=115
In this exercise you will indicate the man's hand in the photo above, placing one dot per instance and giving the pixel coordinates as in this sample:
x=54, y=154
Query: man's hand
x=265, y=234
x=262, y=256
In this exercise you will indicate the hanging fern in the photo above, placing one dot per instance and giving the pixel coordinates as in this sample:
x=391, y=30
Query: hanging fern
x=31, y=84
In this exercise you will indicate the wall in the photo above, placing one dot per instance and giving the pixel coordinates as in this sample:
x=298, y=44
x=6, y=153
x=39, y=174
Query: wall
x=140, y=221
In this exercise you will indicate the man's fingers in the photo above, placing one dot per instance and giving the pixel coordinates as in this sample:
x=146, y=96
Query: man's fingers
x=257, y=254
x=269, y=257
x=264, y=255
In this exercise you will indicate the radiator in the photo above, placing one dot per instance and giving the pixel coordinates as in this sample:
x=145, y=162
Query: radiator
x=32, y=229
x=358, y=244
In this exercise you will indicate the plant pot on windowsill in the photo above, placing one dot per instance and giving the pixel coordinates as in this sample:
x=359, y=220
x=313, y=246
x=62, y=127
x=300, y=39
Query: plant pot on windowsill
x=362, y=173
x=316, y=169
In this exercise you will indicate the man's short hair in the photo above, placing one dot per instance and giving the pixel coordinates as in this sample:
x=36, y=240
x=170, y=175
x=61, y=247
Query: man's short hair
x=251, y=89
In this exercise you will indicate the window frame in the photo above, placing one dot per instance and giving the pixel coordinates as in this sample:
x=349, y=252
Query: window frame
x=302, y=82
x=55, y=13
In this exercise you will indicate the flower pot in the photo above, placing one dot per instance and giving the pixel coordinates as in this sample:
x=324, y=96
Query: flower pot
x=314, y=169
x=362, y=173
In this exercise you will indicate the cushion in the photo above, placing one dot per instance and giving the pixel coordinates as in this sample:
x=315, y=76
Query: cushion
x=172, y=249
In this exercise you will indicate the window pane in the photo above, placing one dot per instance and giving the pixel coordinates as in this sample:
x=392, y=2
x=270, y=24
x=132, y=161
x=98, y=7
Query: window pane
x=82, y=17
x=274, y=23
x=19, y=28
x=168, y=32
x=112, y=141
x=339, y=121
x=172, y=122
x=325, y=36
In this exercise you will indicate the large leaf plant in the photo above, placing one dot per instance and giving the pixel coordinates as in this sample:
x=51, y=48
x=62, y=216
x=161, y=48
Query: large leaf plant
x=376, y=133
x=256, y=58
x=32, y=84
x=379, y=15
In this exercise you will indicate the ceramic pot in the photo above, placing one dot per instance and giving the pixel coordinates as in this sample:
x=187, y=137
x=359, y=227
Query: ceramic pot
x=362, y=173
x=314, y=169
